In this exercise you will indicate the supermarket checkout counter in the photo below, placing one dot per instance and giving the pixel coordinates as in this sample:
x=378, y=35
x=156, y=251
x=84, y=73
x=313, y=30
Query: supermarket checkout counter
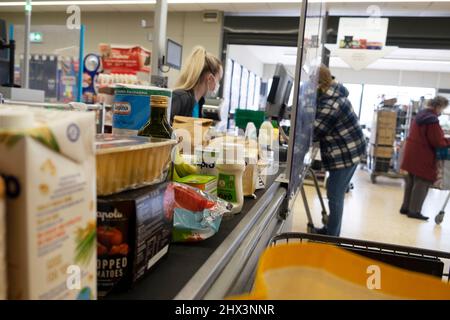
x=222, y=265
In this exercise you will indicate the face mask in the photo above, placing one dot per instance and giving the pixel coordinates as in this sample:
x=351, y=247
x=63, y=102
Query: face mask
x=214, y=92
x=216, y=89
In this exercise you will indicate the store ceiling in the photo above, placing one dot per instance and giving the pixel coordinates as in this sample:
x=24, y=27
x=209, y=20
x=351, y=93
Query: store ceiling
x=249, y=7
x=400, y=59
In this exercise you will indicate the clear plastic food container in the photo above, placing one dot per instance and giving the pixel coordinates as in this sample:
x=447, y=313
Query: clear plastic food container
x=130, y=162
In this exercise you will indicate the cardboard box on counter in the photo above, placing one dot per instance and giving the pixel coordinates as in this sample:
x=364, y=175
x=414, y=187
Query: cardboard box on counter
x=193, y=131
x=203, y=182
x=134, y=230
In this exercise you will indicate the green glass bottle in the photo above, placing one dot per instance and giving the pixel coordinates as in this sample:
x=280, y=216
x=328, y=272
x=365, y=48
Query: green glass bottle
x=157, y=126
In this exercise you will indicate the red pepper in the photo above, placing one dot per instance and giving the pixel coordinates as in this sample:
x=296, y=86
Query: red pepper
x=189, y=199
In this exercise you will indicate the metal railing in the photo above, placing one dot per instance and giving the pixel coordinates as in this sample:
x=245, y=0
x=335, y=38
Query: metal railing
x=100, y=108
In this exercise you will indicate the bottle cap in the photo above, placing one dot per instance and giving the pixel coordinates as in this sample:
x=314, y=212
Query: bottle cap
x=159, y=101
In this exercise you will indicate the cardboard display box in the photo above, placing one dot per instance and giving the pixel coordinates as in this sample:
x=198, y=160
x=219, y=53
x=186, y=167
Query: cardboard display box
x=385, y=119
x=383, y=136
x=134, y=229
x=381, y=152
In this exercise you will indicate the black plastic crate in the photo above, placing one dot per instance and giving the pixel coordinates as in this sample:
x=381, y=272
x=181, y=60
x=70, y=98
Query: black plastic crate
x=382, y=164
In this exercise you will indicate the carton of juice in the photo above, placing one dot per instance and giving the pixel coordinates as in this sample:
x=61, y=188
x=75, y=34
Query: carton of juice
x=47, y=159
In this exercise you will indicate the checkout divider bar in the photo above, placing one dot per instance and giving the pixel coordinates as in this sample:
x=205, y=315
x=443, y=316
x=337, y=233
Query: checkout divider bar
x=66, y=106
x=227, y=279
x=204, y=278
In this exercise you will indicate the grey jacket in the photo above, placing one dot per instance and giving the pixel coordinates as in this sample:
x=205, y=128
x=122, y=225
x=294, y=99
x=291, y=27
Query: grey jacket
x=183, y=103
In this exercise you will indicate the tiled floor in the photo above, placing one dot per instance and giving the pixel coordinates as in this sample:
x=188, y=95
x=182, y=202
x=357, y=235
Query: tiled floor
x=371, y=213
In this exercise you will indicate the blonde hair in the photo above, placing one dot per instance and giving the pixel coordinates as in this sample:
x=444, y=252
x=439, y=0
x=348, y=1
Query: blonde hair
x=196, y=66
x=325, y=78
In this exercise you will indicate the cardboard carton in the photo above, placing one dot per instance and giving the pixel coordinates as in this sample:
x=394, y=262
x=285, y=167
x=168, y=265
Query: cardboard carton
x=48, y=161
x=134, y=230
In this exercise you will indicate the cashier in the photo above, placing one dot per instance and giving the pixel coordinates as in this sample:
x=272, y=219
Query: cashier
x=200, y=77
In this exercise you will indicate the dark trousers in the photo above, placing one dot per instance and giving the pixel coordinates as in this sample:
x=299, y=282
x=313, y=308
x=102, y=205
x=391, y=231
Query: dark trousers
x=416, y=190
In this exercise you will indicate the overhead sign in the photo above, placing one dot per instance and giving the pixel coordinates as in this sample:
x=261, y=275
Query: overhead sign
x=362, y=33
x=360, y=59
x=362, y=41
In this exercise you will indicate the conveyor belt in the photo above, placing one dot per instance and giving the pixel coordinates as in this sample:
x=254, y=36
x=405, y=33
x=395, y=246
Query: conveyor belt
x=169, y=276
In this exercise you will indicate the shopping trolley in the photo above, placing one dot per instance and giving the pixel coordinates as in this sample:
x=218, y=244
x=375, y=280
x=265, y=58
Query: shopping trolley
x=443, y=156
x=440, y=216
x=430, y=262
x=310, y=224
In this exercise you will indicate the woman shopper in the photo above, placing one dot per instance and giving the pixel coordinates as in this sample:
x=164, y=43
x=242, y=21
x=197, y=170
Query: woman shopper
x=200, y=76
x=419, y=158
x=342, y=144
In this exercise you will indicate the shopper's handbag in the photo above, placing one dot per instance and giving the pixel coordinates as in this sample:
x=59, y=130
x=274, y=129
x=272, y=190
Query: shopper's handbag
x=193, y=129
x=317, y=271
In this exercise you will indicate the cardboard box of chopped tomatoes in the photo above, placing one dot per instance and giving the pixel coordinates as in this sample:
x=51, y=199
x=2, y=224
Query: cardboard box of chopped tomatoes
x=134, y=230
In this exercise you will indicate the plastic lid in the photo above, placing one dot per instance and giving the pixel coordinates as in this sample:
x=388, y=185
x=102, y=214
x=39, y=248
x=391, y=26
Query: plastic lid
x=15, y=119
x=275, y=124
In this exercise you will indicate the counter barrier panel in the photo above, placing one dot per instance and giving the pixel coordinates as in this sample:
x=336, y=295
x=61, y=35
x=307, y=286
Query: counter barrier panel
x=304, y=108
x=54, y=60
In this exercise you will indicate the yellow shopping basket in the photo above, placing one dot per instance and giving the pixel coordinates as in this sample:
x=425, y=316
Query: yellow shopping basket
x=305, y=266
